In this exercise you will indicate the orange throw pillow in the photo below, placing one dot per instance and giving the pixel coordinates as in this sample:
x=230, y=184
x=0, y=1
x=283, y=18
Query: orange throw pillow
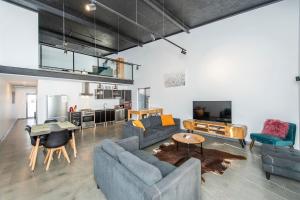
x=138, y=123
x=167, y=120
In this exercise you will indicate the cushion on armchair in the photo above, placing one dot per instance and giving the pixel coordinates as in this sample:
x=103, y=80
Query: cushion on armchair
x=276, y=128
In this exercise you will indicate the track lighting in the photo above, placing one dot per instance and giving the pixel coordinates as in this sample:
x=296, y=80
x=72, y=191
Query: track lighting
x=90, y=7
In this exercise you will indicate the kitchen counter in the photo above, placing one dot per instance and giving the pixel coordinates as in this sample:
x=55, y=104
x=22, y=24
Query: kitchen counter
x=109, y=115
x=101, y=116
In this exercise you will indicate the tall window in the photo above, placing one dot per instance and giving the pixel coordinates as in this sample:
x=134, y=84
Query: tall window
x=143, y=98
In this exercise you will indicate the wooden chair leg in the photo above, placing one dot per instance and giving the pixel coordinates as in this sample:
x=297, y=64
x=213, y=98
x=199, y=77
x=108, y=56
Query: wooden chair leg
x=33, y=156
x=59, y=154
x=71, y=143
x=47, y=156
x=74, y=144
x=252, y=144
x=63, y=149
x=50, y=159
x=30, y=156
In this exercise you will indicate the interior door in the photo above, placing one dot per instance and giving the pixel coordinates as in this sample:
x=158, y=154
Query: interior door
x=30, y=105
x=143, y=98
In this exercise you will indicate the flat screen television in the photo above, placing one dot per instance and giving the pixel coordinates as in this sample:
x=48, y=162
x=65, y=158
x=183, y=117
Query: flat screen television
x=217, y=111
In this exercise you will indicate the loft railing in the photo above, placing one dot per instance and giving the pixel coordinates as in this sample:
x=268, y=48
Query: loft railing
x=57, y=59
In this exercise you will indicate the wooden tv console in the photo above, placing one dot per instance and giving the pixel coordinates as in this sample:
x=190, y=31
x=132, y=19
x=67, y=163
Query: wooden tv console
x=238, y=132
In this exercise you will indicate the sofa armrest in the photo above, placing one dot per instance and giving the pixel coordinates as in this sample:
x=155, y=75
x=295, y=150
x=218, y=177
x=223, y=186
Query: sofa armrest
x=129, y=144
x=177, y=123
x=183, y=183
x=130, y=131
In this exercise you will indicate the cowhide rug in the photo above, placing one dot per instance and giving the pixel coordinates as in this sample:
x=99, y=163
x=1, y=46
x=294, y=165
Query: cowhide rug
x=212, y=160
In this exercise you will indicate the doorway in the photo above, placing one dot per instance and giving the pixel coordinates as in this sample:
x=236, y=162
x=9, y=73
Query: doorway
x=30, y=106
x=143, y=98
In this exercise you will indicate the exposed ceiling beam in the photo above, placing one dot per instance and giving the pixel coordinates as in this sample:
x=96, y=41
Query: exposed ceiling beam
x=75, y=40
x=72, y=16
x=183, y=50
x=172, y=18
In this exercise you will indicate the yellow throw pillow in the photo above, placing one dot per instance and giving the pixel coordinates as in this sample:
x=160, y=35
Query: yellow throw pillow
x=138, y=123
x=167, y=120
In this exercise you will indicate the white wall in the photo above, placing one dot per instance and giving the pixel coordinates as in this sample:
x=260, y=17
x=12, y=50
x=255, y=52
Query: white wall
x=18, y=36
x=72, y=89
x=20, y=103
x=250, y=59
x=7, y=110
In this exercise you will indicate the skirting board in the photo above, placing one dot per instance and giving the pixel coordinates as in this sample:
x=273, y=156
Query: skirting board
x=8, y=130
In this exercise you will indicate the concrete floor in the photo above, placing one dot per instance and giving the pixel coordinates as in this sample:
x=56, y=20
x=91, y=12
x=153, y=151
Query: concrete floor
x=243, y=180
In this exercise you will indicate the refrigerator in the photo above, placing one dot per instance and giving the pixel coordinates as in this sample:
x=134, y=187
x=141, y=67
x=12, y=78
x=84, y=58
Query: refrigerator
x=57, y=107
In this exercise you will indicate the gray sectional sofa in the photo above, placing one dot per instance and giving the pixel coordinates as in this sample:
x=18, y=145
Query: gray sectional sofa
x=154, y=132
x=281, y=161
x=123, y=172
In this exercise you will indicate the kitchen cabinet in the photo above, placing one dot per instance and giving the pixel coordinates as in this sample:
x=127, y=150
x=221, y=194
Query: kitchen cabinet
x=124, y=95
x=119, y=115
x=75, y=118
x=110, y=115
x=127, y=95
x=117, y=93
x=99, y=94
x=102, y=116
x=126, y=114
x=97, y=116
x=108, y=94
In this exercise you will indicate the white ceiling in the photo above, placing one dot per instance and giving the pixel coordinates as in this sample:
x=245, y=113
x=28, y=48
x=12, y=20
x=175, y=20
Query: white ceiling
x=19, y=81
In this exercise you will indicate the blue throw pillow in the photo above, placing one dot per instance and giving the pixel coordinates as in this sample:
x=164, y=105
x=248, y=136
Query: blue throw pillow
x=149, y=174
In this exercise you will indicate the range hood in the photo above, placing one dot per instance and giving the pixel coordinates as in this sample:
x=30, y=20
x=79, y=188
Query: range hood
x=86, y=89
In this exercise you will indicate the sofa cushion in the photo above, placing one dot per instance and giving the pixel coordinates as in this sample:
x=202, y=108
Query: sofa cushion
x=167, y=120
x=146, y=123
x=145, y=156
x=166, y=129
x=148, y=173
x=112, y=148
x=155, y=121
x=151, y=134
x=164, y=167
x=138, y=123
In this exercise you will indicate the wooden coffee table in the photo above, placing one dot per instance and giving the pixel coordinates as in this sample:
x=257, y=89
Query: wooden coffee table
x=188, y=138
